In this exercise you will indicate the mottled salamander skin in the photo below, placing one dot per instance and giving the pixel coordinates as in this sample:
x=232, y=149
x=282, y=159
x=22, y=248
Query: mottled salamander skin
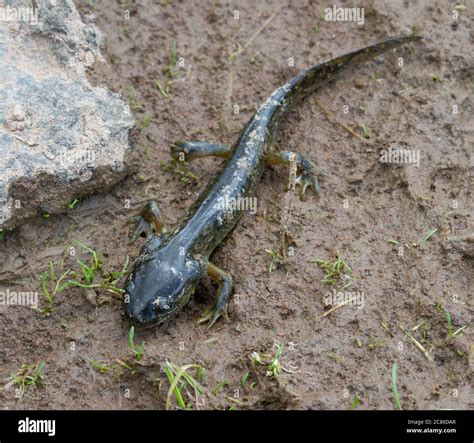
x=170, y=265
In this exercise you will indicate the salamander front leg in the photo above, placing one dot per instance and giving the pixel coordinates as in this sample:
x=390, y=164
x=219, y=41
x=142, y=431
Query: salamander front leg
x=224, y=292
x=148, y=221
x=187, y=151
x=306, y=172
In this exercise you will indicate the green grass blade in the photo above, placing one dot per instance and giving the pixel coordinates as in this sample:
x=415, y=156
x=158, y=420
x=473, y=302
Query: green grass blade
x=394, y=387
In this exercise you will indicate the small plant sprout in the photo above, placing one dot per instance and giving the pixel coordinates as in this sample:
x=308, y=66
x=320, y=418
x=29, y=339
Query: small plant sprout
x=172, y=71
x=244, y=379
x=51, y=286
x=238, y=50
x=100, y=367
x=254, y=60
x=112, y=280
x=138, y=352
x=2, y=234
x=28, y=375
x=182, y=382
x=88, y=271
x=125, y=365
x=355, y=403
x=374, y=342
x=182, y=169
x=429, y=234
x=272, y=363
x=451, y=334
x=73, y=203
x=275, y=368
x=163, y=90
x=335, y=270
x=255, y=357
x=173, y=57
x=146, y=122
x=86, y=279
x=235, y=400
x=336, y=357
x=220, y=386
x=276, y=259
x=416, y=343
x=394, y=387
x=365, y=132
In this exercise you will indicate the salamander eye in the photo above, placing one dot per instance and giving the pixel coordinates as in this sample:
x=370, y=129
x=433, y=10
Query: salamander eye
x=162, y=303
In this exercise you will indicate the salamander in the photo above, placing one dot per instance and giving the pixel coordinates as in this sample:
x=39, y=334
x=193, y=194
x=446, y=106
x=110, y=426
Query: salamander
x=171, y=264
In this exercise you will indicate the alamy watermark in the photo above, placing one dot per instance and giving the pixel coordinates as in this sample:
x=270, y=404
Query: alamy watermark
x=82, y=157
x=21, y=298
x=351, y=298
x=31, y=425
x=404, y=156
x=15, y=14
x=238, y=204
x=338, y=14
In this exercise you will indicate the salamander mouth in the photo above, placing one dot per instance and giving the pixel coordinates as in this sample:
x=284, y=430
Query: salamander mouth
x=165, y=317
x=144, y=326
x=162, y=317
x=139, y=325
x=155, y=322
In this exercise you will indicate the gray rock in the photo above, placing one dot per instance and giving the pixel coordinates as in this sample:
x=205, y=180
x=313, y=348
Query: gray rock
x=60, y=137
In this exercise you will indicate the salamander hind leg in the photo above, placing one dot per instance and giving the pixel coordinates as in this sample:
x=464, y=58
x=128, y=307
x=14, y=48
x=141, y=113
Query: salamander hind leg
x=224, y=291
x=148, y=221
x=187, y=151
x=306, y=171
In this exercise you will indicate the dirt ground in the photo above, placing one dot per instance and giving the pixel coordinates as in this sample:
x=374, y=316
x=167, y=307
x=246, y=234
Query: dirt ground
x=374, y=215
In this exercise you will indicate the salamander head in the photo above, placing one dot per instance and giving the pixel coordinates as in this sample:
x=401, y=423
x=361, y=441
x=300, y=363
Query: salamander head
x=162, y=281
